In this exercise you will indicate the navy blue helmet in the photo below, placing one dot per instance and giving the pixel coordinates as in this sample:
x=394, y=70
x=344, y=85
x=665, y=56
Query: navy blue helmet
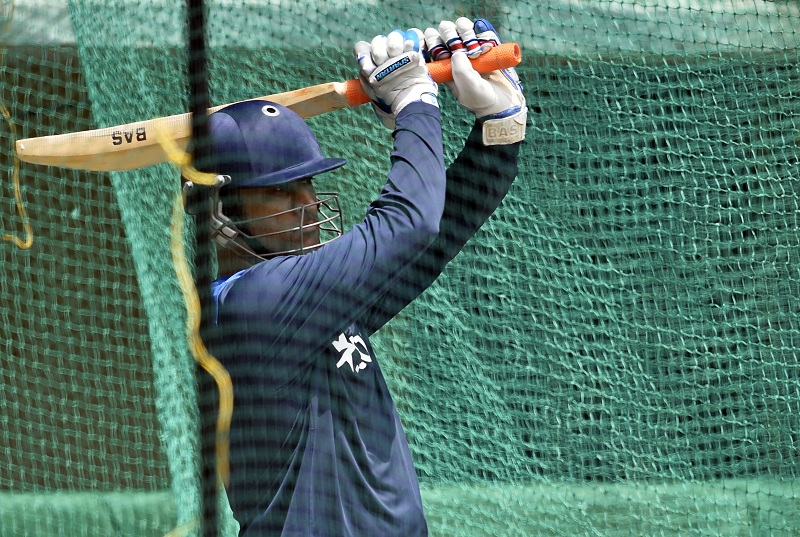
x=264, y=144
x=260, y=143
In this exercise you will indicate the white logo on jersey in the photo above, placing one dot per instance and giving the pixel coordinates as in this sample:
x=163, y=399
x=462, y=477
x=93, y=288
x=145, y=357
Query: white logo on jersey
x=347, y=347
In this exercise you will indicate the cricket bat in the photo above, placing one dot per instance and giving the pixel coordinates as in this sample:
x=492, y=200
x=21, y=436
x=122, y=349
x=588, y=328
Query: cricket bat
x=135, y=145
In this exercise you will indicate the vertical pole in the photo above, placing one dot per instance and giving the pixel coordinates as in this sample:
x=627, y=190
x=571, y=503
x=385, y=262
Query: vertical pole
x=198, y=106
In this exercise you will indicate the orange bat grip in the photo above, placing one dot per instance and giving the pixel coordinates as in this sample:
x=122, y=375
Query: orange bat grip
x=503, y=56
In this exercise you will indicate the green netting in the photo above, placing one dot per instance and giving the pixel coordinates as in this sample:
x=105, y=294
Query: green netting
x=615, y=353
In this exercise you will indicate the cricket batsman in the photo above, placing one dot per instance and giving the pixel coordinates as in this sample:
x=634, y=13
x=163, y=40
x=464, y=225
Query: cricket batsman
x=317, y=446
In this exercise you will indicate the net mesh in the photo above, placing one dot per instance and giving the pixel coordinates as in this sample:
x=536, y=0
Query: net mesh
x=614, y=353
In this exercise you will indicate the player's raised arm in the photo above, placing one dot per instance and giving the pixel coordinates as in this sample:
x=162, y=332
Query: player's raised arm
x=483, y=172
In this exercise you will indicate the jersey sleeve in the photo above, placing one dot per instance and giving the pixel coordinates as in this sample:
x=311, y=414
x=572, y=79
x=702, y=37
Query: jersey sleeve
x=295, y=305
x=477, y=182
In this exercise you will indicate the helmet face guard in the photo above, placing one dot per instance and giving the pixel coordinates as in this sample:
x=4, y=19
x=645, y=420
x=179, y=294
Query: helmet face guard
x=234, y=233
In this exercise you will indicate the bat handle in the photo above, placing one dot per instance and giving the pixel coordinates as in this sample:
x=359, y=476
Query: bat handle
x=503, y=56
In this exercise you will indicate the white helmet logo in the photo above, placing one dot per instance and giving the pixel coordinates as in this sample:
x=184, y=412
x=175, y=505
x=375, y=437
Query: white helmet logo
x=270, y=110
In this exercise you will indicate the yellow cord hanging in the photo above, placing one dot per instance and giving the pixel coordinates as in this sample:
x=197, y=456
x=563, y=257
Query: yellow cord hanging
x=208, y=362
x=28, y=241
x=183, y=160
x=193, y=308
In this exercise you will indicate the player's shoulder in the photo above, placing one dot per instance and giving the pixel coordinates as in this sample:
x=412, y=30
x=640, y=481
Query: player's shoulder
x=248, y=284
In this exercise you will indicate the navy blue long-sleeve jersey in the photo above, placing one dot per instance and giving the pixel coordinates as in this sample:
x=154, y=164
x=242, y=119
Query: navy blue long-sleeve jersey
x=317, y=447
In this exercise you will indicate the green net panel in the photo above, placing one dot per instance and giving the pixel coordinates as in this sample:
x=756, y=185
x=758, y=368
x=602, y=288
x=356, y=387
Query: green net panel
x=615, y=353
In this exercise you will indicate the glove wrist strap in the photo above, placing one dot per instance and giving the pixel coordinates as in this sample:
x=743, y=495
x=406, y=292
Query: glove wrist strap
x=505, y=130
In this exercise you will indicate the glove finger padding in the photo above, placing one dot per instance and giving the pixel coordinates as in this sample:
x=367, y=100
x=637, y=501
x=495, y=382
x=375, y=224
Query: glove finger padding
x=485, y=34
x=363, y=52
x=379, y=49
x=460, y=36
x=394, y=44
x=435, y=44
x=393, y=73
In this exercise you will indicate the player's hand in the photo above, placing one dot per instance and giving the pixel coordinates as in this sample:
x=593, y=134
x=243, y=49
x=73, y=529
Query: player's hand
x=393, y=72
x=495, y=98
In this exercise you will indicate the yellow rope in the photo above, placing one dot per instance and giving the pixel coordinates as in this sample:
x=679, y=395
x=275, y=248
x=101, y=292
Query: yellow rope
x=28, y=242
x=183, y=160
x=208, y=362
x=193, y=308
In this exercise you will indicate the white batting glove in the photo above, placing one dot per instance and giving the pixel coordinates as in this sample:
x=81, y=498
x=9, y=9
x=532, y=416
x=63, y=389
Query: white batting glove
x=393, y=73
x=495, y=98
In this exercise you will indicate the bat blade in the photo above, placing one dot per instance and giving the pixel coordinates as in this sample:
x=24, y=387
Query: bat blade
x=135, y=145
